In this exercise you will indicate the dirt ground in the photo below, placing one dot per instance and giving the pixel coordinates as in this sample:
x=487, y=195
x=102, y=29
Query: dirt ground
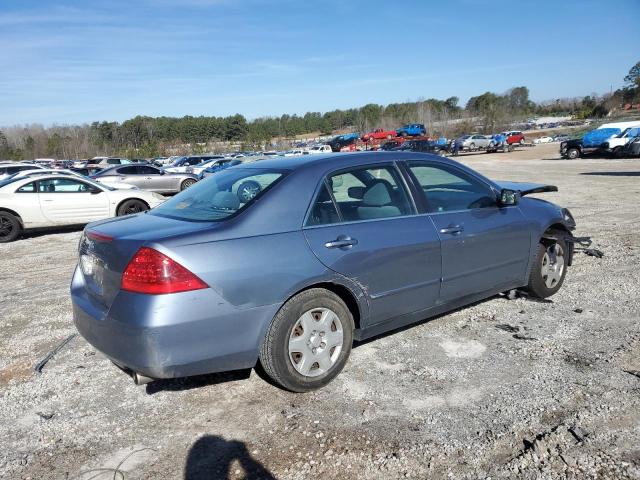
x=502, y=389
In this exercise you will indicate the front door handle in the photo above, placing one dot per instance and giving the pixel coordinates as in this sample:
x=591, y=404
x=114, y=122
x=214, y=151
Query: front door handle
x=341, y=242
x=453, y=229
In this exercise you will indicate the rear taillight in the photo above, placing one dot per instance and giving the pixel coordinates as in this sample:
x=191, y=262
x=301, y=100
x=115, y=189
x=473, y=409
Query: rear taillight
x=152, y=272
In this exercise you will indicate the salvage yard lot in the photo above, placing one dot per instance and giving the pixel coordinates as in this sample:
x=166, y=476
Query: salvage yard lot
x=504, y=388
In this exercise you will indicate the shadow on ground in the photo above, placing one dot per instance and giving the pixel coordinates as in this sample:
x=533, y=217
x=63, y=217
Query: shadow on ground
x=187, y=383
x=212, y=458
x=613, y=174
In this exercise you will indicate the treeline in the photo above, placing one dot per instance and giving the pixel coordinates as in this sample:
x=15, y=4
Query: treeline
x=144, y=136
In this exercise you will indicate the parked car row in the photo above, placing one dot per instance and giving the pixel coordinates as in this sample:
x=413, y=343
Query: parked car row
x=33, y=199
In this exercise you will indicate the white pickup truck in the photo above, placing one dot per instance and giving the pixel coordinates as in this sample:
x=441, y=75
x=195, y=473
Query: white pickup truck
x=614, y=144
x=320, y=149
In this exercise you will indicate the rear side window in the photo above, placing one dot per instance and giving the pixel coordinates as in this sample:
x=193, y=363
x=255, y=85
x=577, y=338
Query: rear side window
x=367, y=193
x=220, y=196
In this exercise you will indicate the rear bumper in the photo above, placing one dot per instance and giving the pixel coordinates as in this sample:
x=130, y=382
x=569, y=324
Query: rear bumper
x=169, y=336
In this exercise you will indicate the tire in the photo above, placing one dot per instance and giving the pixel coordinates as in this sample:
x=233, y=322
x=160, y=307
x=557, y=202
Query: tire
x=546, y=277
x=573, y=153
x=472, y=146
x=521, y=142
x=617, y=152
x=187, y=183
x=10, y=227
x=278, y=355
x=248, y=190
x=403, y=134
x=130, y=207
x=389, y=137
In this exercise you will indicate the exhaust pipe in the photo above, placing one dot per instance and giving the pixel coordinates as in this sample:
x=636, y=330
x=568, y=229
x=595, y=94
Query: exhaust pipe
x=139, y=379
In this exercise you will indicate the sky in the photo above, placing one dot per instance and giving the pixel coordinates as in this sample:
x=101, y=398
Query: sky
x=78, y=61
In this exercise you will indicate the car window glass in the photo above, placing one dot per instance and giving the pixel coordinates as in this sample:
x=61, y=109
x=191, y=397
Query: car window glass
x=131, y=170
x=146, y=170
x=113, y=161
x=370, y=193
x=323, y=210
x=62, y=185
x=28, y=188
x=222, y=195
x=449, y=189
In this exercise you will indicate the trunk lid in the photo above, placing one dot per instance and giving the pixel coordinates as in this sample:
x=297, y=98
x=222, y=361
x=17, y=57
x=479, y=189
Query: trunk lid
x=107, y=246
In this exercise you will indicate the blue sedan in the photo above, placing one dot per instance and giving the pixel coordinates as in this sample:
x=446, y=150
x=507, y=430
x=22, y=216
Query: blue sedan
x=286, y=262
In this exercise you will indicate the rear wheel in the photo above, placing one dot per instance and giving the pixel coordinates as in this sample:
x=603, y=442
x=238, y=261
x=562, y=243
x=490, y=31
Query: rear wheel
x=309, y=341
x=187, y=183
x=617, y=152
x=132, y=206
x=521, y=141
x=10, y=227
x=549, y=268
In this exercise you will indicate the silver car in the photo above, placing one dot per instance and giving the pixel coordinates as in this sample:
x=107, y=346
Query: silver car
x=147, y=177
x=474, y=142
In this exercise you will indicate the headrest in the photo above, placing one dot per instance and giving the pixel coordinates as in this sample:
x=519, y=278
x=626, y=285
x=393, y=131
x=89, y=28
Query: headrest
x=377, y=195
x=226, y=200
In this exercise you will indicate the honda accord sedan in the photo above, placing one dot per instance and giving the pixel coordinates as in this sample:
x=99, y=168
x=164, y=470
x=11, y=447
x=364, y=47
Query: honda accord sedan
x=329, y=250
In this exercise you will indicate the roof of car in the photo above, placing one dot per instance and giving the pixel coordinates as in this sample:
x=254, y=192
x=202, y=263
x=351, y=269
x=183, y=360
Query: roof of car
x=337, y=159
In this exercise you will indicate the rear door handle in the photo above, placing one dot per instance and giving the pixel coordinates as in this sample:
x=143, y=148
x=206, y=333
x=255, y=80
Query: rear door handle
x=453, y=229
x=341, y=242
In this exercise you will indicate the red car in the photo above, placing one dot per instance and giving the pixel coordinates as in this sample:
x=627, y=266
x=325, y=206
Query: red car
x=379, y=134
x=514, y=136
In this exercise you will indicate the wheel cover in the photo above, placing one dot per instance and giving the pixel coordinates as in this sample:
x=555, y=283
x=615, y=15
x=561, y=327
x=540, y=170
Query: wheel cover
x=249, y=192
x=135, y=207
x=315, y=342
x=552, y=265
x=6, y=227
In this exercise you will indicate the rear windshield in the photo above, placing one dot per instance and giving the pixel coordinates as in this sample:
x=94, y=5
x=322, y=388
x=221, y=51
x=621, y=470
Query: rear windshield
x=220, y=196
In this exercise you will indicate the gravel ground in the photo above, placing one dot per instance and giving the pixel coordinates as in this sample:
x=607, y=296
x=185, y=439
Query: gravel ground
x=502, y=389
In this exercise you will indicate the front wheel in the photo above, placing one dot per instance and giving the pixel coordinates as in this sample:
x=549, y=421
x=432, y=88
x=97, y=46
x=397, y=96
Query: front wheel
x=309, y=341
x=573, y=153
x=521, y=141
x=10, y=227
x=132, y=206
x=549, y=268
x=248, y=190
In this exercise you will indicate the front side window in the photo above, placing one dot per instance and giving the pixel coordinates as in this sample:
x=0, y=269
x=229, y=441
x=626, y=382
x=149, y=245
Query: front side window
x=147, y=170
x=448, y=189
x=361, y=194
x=220, y=196
x=62, y=185
x=132, y=170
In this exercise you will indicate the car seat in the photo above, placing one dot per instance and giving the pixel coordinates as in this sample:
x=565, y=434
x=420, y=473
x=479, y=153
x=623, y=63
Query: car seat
x=376, y=202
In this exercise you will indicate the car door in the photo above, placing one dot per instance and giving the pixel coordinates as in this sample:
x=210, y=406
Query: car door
x=70, y=201
x=484, y=247
x=130, y=174
x=155, y=180
x=363, y=226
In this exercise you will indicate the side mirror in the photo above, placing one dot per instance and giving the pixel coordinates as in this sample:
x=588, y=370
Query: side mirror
x=509, y=197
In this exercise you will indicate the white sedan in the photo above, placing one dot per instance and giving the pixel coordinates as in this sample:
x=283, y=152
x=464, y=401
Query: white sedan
x=54, y=200
x=543, y=140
